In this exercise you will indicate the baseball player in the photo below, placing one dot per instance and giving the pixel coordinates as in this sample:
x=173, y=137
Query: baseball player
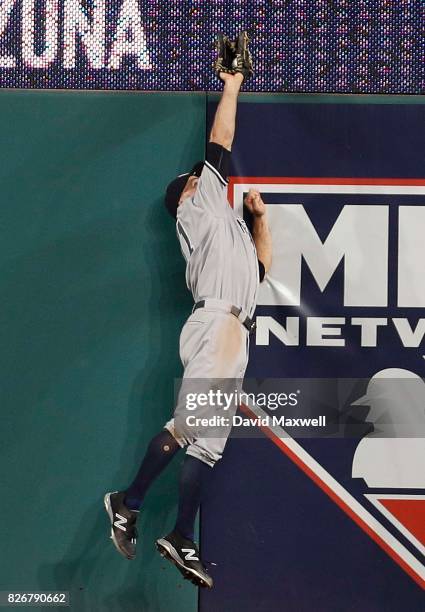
x=224, y=264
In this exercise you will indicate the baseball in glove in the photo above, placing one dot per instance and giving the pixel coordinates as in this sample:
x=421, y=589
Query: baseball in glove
x=233, y=56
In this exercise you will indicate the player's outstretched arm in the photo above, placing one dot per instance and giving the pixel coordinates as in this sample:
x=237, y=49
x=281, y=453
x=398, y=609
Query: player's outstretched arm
x=223, y=129
x=260, y=231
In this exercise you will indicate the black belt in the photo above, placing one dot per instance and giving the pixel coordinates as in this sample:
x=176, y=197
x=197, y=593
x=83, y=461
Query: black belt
x=227, y=307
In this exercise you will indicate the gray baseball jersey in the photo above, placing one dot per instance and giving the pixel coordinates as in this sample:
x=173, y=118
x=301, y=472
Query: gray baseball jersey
x=218, y=248
x=221, y=264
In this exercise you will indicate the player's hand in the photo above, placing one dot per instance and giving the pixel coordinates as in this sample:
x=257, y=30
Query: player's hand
x=225, y=76
x=254, y=203
x=232, y=79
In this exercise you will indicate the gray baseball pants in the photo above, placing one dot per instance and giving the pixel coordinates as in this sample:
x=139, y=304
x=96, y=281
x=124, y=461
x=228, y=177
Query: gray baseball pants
x=214, y=353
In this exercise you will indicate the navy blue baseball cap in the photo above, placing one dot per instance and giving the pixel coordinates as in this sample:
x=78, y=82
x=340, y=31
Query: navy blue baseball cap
x=175, y=188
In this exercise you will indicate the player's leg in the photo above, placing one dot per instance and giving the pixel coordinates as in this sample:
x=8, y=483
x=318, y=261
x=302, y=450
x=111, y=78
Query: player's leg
x=161, y=450
x=123, y=506
x=223, y=340
x=179, y=546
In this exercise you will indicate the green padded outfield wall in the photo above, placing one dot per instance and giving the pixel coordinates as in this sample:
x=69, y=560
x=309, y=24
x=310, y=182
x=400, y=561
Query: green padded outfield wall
x=92, y=301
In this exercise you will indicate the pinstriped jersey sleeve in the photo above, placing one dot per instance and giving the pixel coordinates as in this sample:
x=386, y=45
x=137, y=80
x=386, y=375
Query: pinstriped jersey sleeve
x=211, y=192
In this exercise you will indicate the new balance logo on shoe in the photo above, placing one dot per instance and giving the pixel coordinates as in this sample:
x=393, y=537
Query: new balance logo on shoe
x=120, y=522
x=190, y=556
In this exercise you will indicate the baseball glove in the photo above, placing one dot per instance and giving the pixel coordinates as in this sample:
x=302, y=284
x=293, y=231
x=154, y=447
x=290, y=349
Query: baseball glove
x=233, y=56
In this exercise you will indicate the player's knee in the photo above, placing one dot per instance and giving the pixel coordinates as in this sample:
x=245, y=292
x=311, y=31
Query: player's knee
x=204, y=454
x=181, y=441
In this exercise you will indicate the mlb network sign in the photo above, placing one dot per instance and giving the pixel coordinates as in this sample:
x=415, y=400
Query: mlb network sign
x=359, y=241
x=353, y=248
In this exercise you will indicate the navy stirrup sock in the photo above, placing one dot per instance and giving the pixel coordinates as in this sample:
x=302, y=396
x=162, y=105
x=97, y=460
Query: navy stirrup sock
x=161, y=450
x=192, y=479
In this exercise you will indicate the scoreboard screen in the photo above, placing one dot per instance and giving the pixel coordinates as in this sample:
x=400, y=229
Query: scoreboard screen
x=361, y=46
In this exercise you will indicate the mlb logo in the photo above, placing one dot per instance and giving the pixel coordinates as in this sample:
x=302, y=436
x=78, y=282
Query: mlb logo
x=345, y=298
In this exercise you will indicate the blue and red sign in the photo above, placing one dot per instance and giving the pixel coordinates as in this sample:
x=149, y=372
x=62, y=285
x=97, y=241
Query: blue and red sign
x=344, y=300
